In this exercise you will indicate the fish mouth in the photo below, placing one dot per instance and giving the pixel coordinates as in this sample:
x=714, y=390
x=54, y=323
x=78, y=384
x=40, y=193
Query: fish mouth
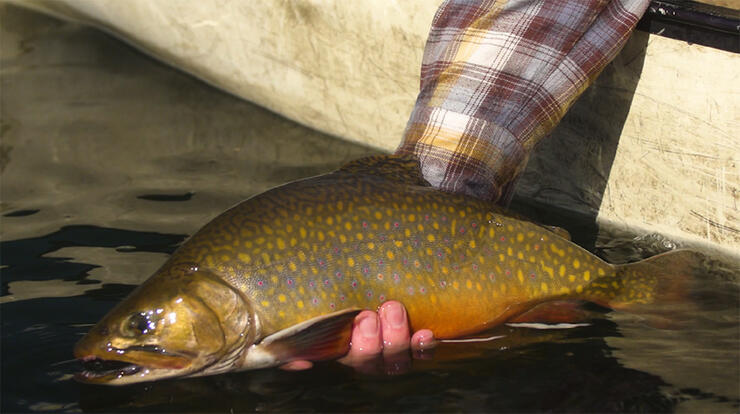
x=131, y=365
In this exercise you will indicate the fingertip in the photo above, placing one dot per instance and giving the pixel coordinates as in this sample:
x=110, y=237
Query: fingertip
x=423, y=339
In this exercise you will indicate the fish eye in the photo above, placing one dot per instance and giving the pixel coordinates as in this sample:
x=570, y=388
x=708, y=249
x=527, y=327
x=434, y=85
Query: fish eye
x=139, y=324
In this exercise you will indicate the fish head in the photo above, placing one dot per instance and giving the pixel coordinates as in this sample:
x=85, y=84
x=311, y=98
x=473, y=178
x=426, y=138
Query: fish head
x=181, y=322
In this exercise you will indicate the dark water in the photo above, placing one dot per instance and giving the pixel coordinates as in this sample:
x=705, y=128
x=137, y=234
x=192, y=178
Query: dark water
x=109, y=160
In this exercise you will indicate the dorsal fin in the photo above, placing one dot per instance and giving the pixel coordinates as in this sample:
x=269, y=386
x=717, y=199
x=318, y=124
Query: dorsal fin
x=398, y=168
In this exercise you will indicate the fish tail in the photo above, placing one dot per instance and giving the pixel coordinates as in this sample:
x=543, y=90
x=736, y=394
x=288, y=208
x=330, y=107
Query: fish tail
x=651, y=286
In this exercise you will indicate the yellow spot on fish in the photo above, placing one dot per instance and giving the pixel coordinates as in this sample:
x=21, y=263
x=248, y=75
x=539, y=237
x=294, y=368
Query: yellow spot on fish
x=579, y=289
x=350, y=262
x=543, y=287
x=420, y=227
x=520, y=255
x=378, y=215
x=371, y=245
x=274, y=279
x=407, y=232
x=245, y=257
x=281, y=314
x=280, y=243
x=491, y=232
x=586, y=275
x=520, y=275
x=359, y=236
x=265, y=303
x=343, y=238
x=281, y=298
x=548, y=270
x=390, y=255
x=348, y=225
x=430, y=238
x=455, y=285
x=469, y=284
x=292, y=266
x=266, y=258
x=299, y=304
x=472, y=244
x=478, y=287
x=503, y=288
x=519, y=237
x=572, y=278
x=411, y=218
x=445, y=270
x=562, y=270
x=260, y=240
x=576, y=263
x=501, y=257
x=301, y=290
x=288, y=228
x=435, y=225
x=248, y=244
x=320, y=236
x=280, y=268
x=398, y=243
x=433, y=298
x=462, y=213
x=615, y=284
x=601, y=272
x=302, y=232
x=509, y=251
x=302, y=255
x=293, y=242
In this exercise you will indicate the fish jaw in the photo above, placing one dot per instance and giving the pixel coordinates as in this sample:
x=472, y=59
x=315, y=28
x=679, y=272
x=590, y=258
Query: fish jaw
x=115, y=366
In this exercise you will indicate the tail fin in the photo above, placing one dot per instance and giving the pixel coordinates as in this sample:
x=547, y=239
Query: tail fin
x=654, y=287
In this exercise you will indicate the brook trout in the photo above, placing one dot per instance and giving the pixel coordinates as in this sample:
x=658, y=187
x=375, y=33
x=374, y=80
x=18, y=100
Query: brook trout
x=281, y=276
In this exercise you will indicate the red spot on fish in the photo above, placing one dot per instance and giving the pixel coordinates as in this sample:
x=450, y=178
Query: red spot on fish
x=380, y=262
x=338, y=275
x=369, y=293
x=422, y=290
x=455, y=267
x=341, y=297
x=508, y=272
x=442, y=283
x=290, y=282
x=473, y=224
x=462, y=230
x=321, y=262
x=536, y=246
x=331, y=305
x=492, y=276
x=380, y=276
x=444, y=218
x=354, y=283
x=396, y=277
x=532, y=275
x=336, y=250
x=503, y=238
x=428, y=267
x=426, y=217
x=417, y=264
x=364, y=224
x=326, y=282
x=365, y=270
x=411, y=291
x=396, y=224
x=439, y=254
x=446, y=240
x=315, y=301
x=405, y=261
x=260, y=283
x=475, y=266
x=311, y=284
x=381, y=298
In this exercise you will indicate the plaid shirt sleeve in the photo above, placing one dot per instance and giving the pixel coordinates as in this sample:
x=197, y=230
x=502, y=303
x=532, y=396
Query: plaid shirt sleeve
x=498, y=75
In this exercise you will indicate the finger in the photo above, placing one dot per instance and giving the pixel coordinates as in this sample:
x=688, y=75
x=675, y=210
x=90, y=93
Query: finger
x=297, y=365
x=394, y=325
x=423, y=339
x=367, y=340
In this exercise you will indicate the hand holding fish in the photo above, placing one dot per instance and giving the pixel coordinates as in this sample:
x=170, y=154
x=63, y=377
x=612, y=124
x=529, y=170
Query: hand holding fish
x=383, y=334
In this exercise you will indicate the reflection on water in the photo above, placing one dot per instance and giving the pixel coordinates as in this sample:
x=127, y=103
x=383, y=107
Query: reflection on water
x=115, y=159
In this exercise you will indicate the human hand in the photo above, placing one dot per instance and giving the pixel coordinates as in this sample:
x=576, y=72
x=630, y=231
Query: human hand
x=381, y=341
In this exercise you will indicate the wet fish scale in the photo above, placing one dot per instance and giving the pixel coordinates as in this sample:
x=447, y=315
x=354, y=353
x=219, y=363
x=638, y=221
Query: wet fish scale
x=317, y=246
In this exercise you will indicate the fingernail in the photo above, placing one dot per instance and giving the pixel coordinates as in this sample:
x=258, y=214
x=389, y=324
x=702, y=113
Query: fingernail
x=369, y=327
x=395, y=314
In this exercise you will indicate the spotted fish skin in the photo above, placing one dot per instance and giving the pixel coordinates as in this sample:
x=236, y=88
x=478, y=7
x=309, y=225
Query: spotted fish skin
x=375, y=231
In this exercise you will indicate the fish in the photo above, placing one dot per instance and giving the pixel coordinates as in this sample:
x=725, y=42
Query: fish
x=281, y=276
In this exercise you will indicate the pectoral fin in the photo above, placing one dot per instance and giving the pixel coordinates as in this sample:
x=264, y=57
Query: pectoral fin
x=320, y=338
